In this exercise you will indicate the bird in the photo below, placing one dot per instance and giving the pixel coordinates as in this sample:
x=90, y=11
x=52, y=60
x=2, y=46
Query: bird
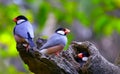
x=23, y=31
x=83, y=56
x=56, y=43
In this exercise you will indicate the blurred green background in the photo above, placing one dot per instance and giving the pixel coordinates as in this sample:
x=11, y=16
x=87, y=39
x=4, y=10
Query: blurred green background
x=97, y=21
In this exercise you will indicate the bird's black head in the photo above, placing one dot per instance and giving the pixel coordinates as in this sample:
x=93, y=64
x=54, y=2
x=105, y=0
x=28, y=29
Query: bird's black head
x=62, y=31
x=20, y=17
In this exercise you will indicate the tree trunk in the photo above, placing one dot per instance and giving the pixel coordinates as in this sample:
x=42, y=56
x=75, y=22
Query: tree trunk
x=67, y=62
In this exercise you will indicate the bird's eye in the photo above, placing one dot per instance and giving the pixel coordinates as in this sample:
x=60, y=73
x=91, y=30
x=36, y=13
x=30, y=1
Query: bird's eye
x=18, y=18
x=64, y=29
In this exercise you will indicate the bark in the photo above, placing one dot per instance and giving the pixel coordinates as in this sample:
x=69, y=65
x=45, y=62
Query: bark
x=67, y=62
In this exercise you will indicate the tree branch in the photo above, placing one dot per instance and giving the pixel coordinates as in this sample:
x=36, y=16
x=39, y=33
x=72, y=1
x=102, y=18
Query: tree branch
x=67, y=62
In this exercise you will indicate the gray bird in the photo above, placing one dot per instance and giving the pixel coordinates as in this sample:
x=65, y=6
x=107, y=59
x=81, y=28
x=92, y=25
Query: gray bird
x=56, y=42
x=23, y=31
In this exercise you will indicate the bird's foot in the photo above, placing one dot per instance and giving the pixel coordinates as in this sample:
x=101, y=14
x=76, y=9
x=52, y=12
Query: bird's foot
x=57, y=54
x=27, y=47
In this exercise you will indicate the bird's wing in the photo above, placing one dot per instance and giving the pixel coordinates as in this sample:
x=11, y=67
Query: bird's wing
x=52, y=41
x=30, y=29
x=24, y=28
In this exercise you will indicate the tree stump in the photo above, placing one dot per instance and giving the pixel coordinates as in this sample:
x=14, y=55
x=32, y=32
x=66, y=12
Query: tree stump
x=67, y=62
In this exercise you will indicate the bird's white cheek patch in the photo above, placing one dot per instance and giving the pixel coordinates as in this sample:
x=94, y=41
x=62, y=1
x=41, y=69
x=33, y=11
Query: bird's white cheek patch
x=20, y=21
x=85, y=58
x=61, y=32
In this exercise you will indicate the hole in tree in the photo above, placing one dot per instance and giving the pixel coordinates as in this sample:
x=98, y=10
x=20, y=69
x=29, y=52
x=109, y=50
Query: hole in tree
x=81, y=54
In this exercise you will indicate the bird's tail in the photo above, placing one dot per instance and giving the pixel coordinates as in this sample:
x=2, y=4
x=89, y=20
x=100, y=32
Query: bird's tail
x=32, y=44
x=30, y=41
x=43, y=51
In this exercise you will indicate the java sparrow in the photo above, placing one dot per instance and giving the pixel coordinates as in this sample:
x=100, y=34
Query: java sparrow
x=56, y=42
x=23, y=31
x=83, y=56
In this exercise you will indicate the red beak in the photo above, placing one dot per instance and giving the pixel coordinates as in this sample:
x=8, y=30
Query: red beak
x=15, y=20
x=80, y=55
x=67, y=30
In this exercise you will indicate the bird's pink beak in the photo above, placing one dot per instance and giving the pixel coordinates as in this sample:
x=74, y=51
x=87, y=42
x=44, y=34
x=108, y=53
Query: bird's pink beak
x=15, y=20
x=67, y=30
x=80, y=55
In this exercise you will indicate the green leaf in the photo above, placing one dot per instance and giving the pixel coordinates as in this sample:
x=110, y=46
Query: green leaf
x=43, y=14
x=100, y=23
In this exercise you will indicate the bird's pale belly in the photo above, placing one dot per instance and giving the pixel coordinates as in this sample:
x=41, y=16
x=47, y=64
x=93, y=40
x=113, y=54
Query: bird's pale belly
x=19, y=39
x=55, y=49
